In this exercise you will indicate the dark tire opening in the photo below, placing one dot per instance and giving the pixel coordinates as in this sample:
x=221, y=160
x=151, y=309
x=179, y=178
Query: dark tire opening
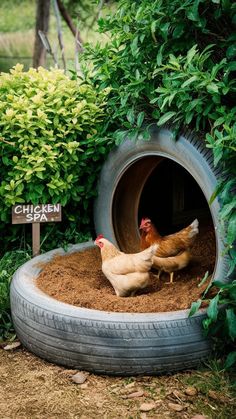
x=161, y=189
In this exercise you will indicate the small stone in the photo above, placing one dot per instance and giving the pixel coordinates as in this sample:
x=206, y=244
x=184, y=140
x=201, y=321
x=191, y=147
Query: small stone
x=79, y=378
x=12, y=346
x=198, y=417
x=176, y=407
x=84, y=386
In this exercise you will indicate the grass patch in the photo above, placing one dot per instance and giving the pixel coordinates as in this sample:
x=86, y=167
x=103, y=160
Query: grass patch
x=17, y=35
x=216, y=391
x=11, y=10
x=9, y=263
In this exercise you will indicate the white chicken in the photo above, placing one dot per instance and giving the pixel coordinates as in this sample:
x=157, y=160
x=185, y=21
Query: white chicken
x=127, y=273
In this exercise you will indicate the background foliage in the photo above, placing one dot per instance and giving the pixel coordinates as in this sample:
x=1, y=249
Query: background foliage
x=173, y=62
x=48, y=152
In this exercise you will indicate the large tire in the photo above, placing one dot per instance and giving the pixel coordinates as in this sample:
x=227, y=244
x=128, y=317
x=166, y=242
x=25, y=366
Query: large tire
x=124, y=175
x=99, y=341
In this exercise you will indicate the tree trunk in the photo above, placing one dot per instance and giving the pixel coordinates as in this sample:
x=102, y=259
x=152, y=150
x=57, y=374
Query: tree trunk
x=70, y=23
x=42, y=23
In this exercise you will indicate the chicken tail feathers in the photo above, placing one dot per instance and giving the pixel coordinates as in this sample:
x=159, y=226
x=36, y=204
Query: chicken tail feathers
x=194, y=228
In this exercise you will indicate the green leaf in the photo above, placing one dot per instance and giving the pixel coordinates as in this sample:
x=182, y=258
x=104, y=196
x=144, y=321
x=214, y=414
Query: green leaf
x=204, y=279
x=192, y=14
x=212, y=310
x=231, y=51
x=189, y=81
x=226, y=209
x=140, y=118
x=195, y=307
x=191, y=53
x=164, y=118
x=219, y=121
x=160, y=55
x=231, y=322
x=130, y=116
x=134, y=46
x=212, y=88
x=231, y=230
x=230, y=360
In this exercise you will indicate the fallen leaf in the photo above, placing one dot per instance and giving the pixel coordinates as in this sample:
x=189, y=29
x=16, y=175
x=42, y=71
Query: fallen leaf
x=135, y=394
x=11, y=346
x=198, y=417
x=217, y=396
x=176, y=407
x=130, y=385
x=146, y=407
x=191, y=391
x=79, y=378
x=213, y=394
x=178, y=395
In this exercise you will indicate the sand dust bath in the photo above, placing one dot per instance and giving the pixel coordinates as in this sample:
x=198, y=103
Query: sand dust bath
x=77, y=279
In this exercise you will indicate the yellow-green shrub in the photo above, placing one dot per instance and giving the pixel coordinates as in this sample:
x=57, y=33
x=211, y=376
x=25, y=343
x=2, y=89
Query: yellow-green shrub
x=47, y=147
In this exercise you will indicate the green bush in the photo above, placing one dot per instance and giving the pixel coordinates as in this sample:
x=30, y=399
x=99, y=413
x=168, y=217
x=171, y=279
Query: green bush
x=220, y=323
x=47, y=146
x=174, y=62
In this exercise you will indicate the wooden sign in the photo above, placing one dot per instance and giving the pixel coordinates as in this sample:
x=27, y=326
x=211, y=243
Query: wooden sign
x=36, y=214
x=24, y=214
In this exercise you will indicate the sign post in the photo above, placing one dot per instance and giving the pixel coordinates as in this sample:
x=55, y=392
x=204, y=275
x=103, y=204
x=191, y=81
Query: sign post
x=36, y=238
x=36, y=214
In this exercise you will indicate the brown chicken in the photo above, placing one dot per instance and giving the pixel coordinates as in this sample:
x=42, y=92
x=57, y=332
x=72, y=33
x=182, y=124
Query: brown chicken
x=173, y=252
x=172, y=263
x=170, y=245
x=127, y=273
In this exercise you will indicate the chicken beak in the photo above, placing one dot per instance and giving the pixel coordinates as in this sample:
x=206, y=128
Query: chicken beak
x=142, y=224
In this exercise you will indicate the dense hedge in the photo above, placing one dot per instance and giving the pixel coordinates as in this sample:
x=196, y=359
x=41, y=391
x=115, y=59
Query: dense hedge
x=173, y=62
x=47, y=147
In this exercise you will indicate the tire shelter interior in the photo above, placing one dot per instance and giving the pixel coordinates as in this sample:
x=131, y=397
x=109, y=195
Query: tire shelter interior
x=161, y=189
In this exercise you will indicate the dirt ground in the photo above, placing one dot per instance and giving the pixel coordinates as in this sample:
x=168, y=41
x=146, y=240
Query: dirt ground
x=31, y=388
x=78, y=279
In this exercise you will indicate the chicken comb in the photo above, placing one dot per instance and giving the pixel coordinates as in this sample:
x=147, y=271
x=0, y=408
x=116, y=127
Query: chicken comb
x=143, y=221
x=100, y=236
